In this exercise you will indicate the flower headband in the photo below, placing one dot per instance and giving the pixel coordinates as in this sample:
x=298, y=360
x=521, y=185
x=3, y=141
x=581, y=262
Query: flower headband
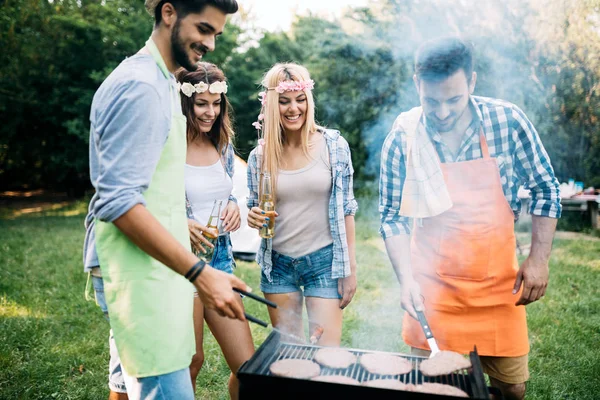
x=188, y=89
x=293, y=86
x=282, y=86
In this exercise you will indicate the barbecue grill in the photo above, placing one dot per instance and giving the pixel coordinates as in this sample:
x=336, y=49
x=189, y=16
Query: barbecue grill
x=256, y=380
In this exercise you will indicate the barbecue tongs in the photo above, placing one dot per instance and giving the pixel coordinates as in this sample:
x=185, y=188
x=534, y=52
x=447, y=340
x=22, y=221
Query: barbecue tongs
x=260, y=300
x=428, y=334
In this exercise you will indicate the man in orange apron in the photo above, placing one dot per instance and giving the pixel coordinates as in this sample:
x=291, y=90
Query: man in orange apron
x=137, y=226
x=450, y=172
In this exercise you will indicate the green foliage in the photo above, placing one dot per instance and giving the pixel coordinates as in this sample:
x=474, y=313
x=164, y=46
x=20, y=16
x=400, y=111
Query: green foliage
x=542, y=56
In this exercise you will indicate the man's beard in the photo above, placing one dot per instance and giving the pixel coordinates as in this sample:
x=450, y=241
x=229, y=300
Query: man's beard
x=178, y=48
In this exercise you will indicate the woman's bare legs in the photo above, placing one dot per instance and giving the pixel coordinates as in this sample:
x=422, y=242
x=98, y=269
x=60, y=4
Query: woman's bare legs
x=235, y=340
x=287, y=317
x=328, y=314
x=198, y=358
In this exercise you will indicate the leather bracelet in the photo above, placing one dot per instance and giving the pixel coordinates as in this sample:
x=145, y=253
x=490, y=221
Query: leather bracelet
x=195, y=271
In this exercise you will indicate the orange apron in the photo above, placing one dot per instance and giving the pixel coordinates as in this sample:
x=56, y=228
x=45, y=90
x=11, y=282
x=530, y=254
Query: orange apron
x=465, y=261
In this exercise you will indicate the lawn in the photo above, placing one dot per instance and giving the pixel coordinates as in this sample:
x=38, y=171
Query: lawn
x=53, y=342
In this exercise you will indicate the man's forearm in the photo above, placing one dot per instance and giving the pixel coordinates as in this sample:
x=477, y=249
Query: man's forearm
x=140, y=226
x=398, y=250
x=542, y=234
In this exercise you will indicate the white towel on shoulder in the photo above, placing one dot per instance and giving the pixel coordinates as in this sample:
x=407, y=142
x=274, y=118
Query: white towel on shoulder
x=424, y=193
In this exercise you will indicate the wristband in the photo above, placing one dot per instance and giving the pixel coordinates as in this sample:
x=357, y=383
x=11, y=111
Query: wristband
x=195, y=271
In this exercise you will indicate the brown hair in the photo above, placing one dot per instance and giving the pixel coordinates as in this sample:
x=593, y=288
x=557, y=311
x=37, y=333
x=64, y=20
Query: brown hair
x=221, y=133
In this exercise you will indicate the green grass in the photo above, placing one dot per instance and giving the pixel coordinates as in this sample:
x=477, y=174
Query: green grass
x=53, y=344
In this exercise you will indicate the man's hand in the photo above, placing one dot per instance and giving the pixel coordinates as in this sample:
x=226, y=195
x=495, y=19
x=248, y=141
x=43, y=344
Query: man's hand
x=533, y=275
x=412, y=300
x=215, y=289
x=231, y=217
x=347, y=289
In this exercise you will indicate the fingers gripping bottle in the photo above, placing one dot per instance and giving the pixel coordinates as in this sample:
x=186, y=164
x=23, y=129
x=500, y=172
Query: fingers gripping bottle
x=212, y=223
x=267, y=204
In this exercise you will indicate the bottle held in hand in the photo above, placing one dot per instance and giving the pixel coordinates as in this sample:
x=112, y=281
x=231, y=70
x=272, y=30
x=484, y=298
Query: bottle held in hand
x=213, y=220
x=267, y=204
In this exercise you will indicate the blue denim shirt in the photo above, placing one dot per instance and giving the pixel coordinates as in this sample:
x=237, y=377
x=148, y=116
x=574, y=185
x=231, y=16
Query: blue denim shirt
x=341, y=203
x=130, y=120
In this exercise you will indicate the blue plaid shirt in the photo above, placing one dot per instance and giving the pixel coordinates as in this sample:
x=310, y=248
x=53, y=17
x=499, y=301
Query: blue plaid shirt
x=341, y=203
x=512, y=140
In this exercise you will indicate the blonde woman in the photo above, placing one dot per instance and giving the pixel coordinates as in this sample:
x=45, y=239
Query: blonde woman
x=208, y=177
x=311, y=258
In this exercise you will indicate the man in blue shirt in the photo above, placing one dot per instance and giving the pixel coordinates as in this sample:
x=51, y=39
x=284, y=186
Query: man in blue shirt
x=136, y=226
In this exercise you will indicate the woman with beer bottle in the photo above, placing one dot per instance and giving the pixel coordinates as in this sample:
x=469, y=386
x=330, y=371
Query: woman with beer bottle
x=212, y=211
x=302, y=202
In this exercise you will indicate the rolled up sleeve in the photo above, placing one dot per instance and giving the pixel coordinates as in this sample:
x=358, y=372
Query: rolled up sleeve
x=350, y=203
x=252, y=175
x=130, y=133
x=391, y=180
x=534, y=169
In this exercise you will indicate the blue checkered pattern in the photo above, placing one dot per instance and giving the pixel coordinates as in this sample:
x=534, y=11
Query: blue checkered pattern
x=341, y=203
x=512, y=140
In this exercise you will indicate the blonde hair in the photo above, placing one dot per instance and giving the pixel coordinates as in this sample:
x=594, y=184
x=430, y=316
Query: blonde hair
x=272, y=129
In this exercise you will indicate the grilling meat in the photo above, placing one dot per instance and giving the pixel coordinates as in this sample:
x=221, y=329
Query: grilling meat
x=444, y=363
x=388, y=384
x=294, y=368
x=439, y=389
x=336, y=379
x=385, y=364
x=332, y=357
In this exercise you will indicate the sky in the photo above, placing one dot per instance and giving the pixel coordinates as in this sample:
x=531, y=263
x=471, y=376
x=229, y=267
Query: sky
x=275, y=15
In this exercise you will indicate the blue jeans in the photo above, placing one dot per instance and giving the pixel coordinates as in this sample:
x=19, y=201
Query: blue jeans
x=223, y=255
x=174, y=385
x=116, y=381
x=311, y=272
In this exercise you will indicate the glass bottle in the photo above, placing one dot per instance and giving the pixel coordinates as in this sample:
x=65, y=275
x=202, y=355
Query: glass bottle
x=267, y=204
x=212, y=223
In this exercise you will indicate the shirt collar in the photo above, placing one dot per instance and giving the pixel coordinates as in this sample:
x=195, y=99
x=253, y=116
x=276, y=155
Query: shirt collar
x=472, y=128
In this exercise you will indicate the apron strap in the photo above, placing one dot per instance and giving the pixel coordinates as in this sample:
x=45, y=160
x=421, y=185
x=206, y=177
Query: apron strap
x=484, y=147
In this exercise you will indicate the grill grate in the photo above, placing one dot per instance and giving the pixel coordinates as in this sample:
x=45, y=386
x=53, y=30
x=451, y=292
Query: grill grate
x=356, y=371
x=256, y=379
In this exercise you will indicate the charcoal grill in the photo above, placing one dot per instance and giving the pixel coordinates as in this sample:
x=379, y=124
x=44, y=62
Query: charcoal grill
x=256, y=380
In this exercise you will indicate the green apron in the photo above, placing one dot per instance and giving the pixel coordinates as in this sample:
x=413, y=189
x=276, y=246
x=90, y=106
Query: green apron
x=150, y=306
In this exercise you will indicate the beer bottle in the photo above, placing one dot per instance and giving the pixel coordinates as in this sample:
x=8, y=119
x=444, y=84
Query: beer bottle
x=212, y=223
x=267, y=204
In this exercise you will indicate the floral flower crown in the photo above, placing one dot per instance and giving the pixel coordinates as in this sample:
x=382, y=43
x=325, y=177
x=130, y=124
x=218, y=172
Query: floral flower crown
x=282, y=86
x=188, y=89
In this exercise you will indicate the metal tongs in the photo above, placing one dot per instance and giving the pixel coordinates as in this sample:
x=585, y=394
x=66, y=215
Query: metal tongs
x=428, y=334
x=260, y=300
x=316, y=333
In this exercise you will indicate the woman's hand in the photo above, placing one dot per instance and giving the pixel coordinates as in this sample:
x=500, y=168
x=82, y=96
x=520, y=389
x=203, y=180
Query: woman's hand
x=196, y=237
x=258, y=218
x=231, y=217
x=347, y=289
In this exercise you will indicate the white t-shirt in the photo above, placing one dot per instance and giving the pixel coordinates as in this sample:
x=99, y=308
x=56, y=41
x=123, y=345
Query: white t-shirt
x=203, y=186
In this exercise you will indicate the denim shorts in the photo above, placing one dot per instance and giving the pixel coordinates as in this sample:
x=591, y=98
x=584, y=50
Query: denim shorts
x=116, y=380
x=311, y=272
x=223, y=255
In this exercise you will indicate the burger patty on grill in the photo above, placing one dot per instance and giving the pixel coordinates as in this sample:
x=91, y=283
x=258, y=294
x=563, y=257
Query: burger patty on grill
x=294, y=368
x=336, y=379
x=333, y=357
x=439, y=388
x=444, y=363
x=385, y=364
x=388, y=384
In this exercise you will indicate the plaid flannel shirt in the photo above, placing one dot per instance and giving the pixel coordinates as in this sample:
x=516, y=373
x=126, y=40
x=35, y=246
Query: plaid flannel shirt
x=512, y=140
x=341, y=203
